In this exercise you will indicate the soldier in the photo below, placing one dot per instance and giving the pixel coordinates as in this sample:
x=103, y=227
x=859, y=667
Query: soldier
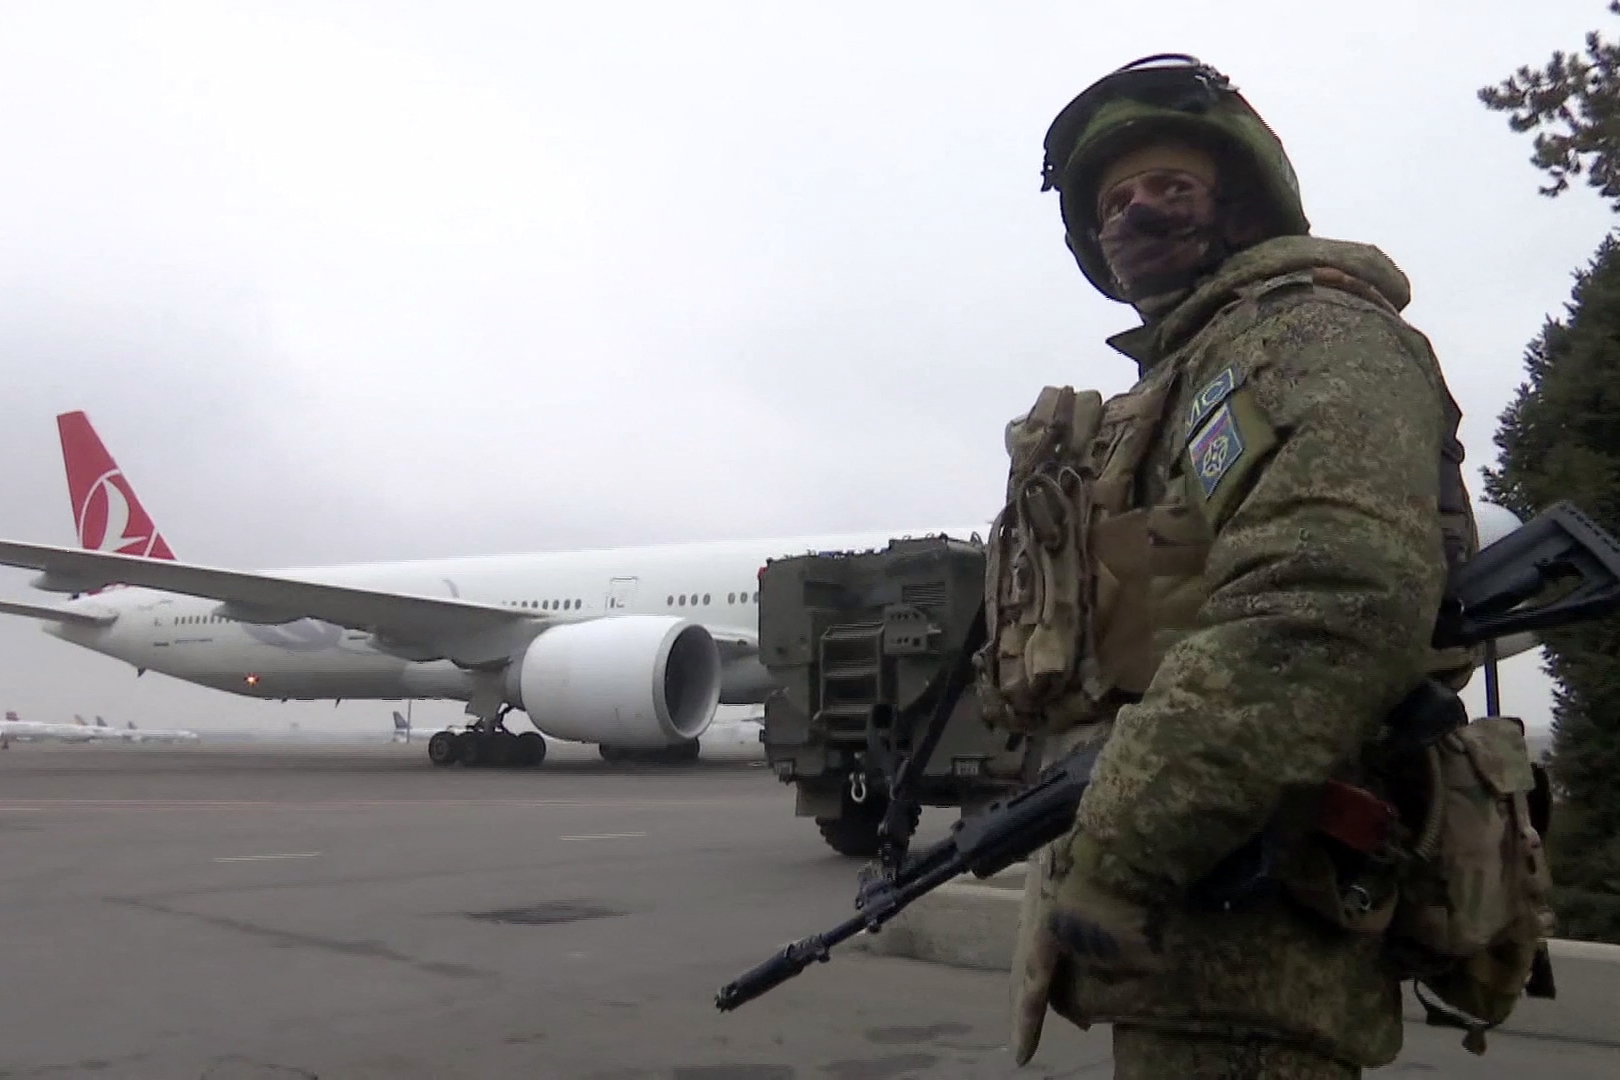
x=1230, y=573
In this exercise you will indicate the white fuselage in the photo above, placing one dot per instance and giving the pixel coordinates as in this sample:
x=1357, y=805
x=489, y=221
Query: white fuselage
x=712, y=583
x=29, y=729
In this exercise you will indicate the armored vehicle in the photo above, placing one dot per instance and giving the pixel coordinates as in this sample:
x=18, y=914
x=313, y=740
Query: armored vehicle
x=860, y=645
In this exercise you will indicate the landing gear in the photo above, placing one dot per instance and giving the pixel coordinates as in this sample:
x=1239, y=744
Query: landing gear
x=442, y=748
x=679, y=754
x=487, y=742
x=531, y=748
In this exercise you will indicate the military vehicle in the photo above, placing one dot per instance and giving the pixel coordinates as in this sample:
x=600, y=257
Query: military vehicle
x=860, y=645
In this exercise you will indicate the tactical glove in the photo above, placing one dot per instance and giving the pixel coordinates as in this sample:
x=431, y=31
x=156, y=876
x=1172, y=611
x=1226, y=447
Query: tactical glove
x=1083, y=913
x=1103, y=914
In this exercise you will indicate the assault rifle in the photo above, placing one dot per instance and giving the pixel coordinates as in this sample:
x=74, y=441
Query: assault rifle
x=1560, y=556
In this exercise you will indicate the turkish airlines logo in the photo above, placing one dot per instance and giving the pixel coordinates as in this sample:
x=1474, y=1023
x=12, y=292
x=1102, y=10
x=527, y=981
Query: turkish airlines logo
x=108, y=515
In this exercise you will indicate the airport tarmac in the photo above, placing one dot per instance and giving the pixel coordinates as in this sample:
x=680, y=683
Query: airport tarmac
x=278, y=913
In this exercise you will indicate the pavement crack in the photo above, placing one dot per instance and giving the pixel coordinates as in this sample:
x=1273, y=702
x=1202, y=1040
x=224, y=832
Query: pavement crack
x=373, y=950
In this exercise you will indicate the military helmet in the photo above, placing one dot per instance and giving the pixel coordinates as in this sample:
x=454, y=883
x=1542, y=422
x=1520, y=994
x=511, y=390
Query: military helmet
x=1167, y=94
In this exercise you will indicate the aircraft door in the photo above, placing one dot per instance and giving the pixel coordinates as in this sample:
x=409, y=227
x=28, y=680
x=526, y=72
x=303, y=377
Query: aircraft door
x=621, y=591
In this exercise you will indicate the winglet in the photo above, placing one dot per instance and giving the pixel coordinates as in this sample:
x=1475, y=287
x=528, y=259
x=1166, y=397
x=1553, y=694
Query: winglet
x=106, y=513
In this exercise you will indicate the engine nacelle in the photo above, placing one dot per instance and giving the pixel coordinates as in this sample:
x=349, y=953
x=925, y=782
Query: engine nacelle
x=633, y=681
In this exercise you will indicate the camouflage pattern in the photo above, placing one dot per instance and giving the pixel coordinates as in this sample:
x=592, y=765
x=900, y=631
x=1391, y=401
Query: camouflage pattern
x=1144, y=1054
x=1303, y=450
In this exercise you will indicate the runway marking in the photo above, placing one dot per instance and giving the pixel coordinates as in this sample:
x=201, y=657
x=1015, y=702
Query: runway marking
x=604, y=836
x=265, y=858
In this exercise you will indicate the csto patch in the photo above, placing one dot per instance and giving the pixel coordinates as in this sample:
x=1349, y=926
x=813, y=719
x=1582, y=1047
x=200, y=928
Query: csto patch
x=1215, y=449
x=1214, y=392
x=1230, y=437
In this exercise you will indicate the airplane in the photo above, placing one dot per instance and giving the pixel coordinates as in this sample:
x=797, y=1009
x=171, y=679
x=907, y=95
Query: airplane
x=130, y=733
x=631, y=649
x=402, y=727
x=13, y=727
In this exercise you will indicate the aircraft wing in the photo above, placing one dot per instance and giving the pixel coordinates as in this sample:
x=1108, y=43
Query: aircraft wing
x=415, y=627
x=53, y=614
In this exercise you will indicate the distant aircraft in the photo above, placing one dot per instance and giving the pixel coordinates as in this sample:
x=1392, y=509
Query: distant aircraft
x=576, y=639
x=27, y=730
x=402, y=727
x=130, y=733
x=82, y=731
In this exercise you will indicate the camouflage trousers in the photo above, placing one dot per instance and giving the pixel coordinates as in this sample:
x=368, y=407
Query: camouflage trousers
x=1146, y=1054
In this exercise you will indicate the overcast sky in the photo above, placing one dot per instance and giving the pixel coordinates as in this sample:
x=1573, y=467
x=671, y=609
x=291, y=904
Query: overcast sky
x=347, y=281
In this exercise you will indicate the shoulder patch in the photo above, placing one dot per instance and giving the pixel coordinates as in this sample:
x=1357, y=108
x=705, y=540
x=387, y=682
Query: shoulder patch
x=1214, y=393
x=1215, y=449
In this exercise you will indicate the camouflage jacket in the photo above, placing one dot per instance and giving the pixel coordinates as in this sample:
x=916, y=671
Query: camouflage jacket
x=1312, y=430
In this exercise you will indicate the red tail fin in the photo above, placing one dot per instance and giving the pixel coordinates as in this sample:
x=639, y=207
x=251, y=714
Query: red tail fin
x=106, y=512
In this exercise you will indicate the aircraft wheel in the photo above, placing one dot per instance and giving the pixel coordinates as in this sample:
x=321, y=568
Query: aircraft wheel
x=613, y=755
x=683, y=753
x=531, y=748
x=501, y=748
x=442, y=748
x=470, y=749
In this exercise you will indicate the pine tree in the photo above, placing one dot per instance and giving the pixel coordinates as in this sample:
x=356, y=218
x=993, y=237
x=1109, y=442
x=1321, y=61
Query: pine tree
x=1560, y=439
x=1576, y=101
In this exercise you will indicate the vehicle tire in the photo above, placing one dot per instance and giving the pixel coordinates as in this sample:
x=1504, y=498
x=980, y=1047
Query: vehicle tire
x=855, y=831
x=442, y=748
x=853, y=836
x=531, y=748
x=470, y=749
x=611, y=754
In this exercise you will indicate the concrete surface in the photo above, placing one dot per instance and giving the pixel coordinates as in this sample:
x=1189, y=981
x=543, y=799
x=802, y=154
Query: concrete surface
x=972, y=924
x=339, y=913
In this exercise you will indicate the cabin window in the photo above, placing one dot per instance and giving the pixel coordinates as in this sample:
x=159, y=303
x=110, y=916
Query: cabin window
x=705, y=599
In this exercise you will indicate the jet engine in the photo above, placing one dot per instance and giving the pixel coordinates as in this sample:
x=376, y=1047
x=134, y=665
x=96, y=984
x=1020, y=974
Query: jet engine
x=638, y=681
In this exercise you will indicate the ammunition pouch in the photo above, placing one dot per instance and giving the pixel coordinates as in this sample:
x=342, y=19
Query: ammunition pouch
x=1450, y=870
x=1079, y=578
x=1474, y=912
x=1038, y=587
